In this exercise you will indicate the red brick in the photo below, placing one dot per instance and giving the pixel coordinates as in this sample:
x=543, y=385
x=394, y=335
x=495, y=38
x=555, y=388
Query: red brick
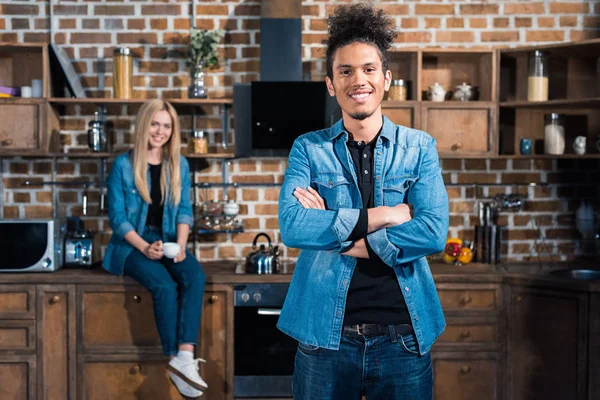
x=21, y=197
x=208, y=24
x=455, y=23
x=250, y=52
x=314, y=38
x=70, y=10
x=483, y=9
x=545, y=22
x=250, y=24
x=265, y=209
x=20, y=23
x=413, y=37
x=584, y=35
x=38, y=211
x=498, y=36
x=209, y=10
x=11, y=212
x=162, y=9
x=318, y=25
x=90, y=24
x=19, y=168
x=437, y=9
x=95, y=37
x=569, y=8
x=30, y=37
x=432, y=23
x=501, y=22
x=138, y=24
x=568, y=21
x=181, y=23
x=524, y=8
x=159, y=66
x=19, y=9
x=477, y=23
x=450, y=36
x=399, y=9
x=43, y=197
x=475, y=177
x=69, y=23
x=310, y=11
x=142, y=38
x=590, y=22
x=511, y=178
x=39, y=23
x=247, y=10
x=545, y=36
x=3, y=23
x=237, y=38
x=114, y=10
x=522, y=22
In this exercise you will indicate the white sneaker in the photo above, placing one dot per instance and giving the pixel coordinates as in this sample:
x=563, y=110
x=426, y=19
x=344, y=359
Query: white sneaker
x=188, y=371
x=186, y=390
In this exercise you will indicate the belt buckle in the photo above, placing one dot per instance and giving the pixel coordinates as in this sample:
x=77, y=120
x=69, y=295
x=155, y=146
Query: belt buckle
x=358, y=330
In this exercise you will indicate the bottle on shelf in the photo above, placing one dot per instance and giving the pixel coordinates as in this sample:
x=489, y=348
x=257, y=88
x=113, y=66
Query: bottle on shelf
x=537, y=76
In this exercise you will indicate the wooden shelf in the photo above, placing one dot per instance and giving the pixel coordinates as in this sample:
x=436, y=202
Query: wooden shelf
x=567, y=48
x=21, y=100
x=190, y=102
x=595, y=101
x=548, y=156
x=99, y=155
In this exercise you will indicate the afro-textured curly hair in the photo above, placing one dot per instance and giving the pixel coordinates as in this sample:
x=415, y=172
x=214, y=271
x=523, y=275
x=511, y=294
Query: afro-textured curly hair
x=360, y=22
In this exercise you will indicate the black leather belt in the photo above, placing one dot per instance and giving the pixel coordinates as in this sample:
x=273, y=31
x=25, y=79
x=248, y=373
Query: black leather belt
x=376, y=329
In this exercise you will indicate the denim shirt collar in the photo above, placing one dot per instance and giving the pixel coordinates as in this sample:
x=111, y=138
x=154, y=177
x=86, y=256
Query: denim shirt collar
x=388, y=130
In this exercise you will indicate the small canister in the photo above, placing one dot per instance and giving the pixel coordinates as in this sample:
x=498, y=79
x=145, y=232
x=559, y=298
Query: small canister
x=122, y=73
x=199, y=142
x=398, y=90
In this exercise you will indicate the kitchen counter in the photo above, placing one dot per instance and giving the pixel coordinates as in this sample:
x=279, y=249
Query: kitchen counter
x=230, y=272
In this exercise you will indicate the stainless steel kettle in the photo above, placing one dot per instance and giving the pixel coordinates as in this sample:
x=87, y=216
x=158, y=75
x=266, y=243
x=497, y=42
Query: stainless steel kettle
x=263, y=261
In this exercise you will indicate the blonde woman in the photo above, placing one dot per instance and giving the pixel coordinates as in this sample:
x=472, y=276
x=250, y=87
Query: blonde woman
x=149, y=203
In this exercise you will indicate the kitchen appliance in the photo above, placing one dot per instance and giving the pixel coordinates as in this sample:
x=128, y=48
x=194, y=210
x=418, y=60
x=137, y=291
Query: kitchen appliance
x=263, y=355
x=79, y=247
x=263, y=261
x=31, y=245
x=96, y=135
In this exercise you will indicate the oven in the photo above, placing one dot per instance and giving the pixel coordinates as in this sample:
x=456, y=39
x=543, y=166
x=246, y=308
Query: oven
x=263, y=355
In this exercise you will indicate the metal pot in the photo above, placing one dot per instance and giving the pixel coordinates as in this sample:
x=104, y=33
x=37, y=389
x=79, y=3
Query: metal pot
x=263, y=261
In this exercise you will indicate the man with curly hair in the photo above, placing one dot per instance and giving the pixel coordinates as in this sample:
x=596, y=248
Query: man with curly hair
x=366, y=202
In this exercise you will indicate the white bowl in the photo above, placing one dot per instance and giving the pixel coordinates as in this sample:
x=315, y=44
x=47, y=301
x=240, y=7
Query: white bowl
x=171, y=249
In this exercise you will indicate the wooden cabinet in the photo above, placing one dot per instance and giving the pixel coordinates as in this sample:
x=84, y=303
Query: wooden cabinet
x=466, y=376
x=547, y=342
x=17, y=377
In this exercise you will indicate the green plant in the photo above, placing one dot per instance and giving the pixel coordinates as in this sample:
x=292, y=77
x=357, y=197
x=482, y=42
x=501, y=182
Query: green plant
x=203, y=47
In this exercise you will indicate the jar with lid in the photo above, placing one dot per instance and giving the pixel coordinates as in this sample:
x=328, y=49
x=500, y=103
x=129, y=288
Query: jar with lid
x=199, y=142
x=537, y=76
x=122, y=73
x=554, y=134
x=398, y=90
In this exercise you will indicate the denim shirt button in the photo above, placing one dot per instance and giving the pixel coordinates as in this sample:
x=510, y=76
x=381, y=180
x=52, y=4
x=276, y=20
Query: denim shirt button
x=339, y=313
x=330, y=183
x=407, y=289
x=345, y=282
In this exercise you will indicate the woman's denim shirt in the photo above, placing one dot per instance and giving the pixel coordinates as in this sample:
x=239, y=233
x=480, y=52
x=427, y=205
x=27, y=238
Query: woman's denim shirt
x=127, y=211
x=407, y=170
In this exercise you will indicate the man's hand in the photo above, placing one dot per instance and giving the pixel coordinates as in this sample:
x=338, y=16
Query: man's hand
x=399, y=214
x=309, y=198
x=154, y=251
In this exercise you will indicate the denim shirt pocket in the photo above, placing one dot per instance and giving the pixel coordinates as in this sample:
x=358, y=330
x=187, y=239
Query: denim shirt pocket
x=132, y=199
x=334, y=189
x=394, y=189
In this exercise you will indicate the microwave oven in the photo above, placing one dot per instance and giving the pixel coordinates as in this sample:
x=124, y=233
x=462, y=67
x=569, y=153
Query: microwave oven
x=31, y=245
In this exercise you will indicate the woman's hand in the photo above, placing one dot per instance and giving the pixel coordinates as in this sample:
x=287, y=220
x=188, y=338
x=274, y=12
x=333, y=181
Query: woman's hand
x=181, y=256
x=309, y=198
x=154, y=251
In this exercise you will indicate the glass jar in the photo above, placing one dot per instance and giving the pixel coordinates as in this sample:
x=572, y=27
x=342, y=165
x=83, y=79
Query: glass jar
x=199, y=142
x=537, y=76
x=554, y=134
x=122, y=73
x=398, y=90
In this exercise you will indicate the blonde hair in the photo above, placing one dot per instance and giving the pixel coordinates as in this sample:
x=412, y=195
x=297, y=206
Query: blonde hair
x=171, y=152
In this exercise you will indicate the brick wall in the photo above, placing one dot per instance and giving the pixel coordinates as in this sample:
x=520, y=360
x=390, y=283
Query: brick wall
x=88, y=30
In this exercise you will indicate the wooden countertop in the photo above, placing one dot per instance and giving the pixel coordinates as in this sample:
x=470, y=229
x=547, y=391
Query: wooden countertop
x=229, y=272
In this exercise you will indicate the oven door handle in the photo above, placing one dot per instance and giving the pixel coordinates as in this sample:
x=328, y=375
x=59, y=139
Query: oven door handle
x=269, y=311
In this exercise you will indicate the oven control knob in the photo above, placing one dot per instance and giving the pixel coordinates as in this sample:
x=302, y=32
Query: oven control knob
x=257, y=297
x=245, y=297
x=47, y=262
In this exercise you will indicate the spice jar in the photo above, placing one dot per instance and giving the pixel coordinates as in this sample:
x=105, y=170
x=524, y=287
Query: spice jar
x=199, y=142
x=554, y=134
x=398, y=90
x=122, y=73
x=537, y=76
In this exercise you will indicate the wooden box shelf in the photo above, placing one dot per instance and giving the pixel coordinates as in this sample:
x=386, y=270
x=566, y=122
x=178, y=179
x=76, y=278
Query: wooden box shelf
x=405, y=64
x=20, y=63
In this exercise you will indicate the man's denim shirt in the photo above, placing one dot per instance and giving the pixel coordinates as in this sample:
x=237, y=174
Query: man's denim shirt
x=406, y=170
x=127, y=210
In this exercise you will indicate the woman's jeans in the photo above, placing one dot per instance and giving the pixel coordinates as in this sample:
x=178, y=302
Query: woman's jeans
x=378, y=367
x=177, y=292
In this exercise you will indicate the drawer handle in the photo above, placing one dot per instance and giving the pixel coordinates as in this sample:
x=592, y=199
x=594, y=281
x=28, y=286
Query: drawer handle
x=135, y=369
x=465, y=369
x=55, y=299
x=213, y=299
x=137, y=299
x=519, y=299
x=466, y=299
x=457, y=146
x=465, y=333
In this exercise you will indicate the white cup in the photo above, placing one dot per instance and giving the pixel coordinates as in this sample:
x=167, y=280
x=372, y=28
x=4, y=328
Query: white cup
x=26, y=91
x=171, y=249
x=37, y=86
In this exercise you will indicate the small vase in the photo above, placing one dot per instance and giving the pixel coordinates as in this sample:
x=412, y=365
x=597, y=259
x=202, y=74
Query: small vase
x=197, y=90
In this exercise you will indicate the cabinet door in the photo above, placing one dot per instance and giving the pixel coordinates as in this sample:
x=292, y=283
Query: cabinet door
x=468, y=129
x=17, y=377
x=128, y=380
x=20, y=128
x=17, y=302
x=56, y=342
x=465, y=376
x=216, y=333
x=547, y=337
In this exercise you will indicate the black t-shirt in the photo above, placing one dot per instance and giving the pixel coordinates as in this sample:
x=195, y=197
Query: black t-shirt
x=374, y=295
x=155, y=210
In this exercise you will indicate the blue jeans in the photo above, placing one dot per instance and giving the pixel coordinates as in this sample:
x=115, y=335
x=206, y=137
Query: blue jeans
x=177, y=292
x=378, y=367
